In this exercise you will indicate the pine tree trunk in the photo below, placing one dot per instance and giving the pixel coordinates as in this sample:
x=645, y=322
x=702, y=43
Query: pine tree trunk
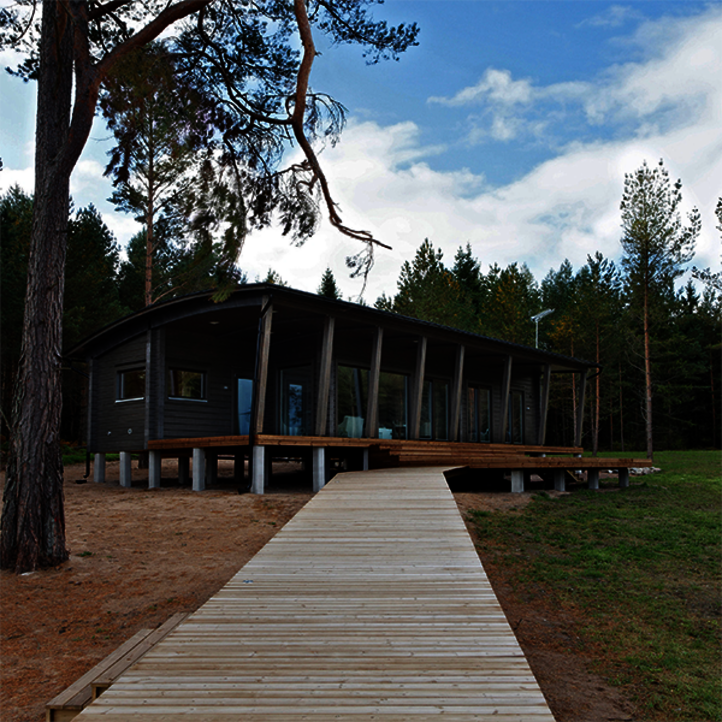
x=647, y=376
x=33, y=520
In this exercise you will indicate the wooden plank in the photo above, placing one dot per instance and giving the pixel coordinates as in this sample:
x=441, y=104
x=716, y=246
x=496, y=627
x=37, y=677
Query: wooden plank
x=104, y=680
x=371, y=603
x=372, y=404
x=580, y=407
x=261, y=373
x=417, y=393
x=324, y=379
x=79, y=693
x=505, y=390
x=543, y=413
x=456, y=391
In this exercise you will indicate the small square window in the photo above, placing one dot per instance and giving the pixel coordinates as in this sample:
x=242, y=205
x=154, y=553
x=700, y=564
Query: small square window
x=184, y=384
x=131, y=384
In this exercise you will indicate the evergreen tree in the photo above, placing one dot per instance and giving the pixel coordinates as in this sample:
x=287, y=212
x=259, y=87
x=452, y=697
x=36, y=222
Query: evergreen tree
x=512, y=299
x=16, y=217
x=163, y=127
x=246, y=55
x=328, y=287
x=656, y=245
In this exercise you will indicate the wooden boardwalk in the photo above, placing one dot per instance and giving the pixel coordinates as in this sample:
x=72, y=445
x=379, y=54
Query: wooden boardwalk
x=370, y=604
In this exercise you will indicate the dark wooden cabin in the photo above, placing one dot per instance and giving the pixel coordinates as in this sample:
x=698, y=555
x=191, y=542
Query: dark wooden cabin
x=273, y=367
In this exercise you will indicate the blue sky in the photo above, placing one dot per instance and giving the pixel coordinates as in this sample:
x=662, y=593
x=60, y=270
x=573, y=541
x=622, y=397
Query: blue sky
x=510, y=128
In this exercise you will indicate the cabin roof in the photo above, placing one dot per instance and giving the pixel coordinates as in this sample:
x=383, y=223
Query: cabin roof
x=198, y=312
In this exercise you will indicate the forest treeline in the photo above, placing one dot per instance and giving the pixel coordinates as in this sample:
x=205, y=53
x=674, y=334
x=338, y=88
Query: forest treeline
x=597, y=316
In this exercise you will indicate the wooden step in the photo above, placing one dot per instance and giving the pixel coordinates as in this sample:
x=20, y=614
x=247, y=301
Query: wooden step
x=71, y=701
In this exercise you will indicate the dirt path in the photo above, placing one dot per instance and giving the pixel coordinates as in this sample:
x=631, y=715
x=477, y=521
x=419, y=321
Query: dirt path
x=139, y=555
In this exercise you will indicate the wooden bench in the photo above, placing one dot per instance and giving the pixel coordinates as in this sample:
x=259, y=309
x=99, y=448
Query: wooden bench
x=71, y=702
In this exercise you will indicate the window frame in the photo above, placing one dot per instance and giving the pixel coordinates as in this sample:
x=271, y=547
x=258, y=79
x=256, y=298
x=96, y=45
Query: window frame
x=120, y=384
x=203, y=398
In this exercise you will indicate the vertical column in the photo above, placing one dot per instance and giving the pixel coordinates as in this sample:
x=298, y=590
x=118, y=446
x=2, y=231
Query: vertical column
x=580, y=408
x=517, y=481
x=365, y=462
x=418, y=392
x=258, y=471
x=560, y=478
x=544, y=404
x=183, y=470
x=324, y=380
x=456, y=394
x=125, y=473
x=199, y=469
x=319, y=467
x=372, y=405
x=592, y=478
x=505, y=389
x=99, y=468
x=263, y=348
x=623, y=475
x=154, y=469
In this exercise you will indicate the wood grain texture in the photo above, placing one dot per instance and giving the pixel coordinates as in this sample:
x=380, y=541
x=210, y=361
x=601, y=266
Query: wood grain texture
x=370, y=604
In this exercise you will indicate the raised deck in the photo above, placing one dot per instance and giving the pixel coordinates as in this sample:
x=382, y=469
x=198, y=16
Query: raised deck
x=370, y=604
x=520, y=460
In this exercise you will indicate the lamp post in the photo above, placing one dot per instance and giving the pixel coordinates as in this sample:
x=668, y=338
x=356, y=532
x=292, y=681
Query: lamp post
x=538, y=318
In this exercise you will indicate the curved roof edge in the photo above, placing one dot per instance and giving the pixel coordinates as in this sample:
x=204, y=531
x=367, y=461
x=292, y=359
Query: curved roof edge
x=252, y=294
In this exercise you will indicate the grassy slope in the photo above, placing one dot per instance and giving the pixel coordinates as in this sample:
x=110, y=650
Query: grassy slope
x=642, y=565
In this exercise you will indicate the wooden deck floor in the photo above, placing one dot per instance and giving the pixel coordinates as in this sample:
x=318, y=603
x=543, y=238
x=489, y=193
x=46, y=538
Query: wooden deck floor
x=371, y=604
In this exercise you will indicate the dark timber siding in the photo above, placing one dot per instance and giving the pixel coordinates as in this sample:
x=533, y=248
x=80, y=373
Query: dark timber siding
x=213, y=357
x=118, y=425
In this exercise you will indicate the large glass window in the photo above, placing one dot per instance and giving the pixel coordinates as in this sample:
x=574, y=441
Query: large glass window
x=296, y=401
x=392, y=405
x=435, y=410
x=351, y=397
x=245, y=401
x=185, y=384
x=130, y=384
x=515, y=433
x=479, y=408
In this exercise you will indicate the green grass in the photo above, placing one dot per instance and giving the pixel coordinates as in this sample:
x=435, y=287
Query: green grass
x=642, y=566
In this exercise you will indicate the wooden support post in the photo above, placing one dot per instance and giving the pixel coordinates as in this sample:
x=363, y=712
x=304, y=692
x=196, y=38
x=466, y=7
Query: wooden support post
x=418, y=390
x=544, y=404
x=457, y=386
x=319, y=467
x=261, y=376
x=183, y=470
x=258, y=470
x=623, y=475
x=199, y=469
x=580, y=408
x=324, y=380
x=126, y=477
x=371, y=424
x=517, y=481
x=560, y=479
x=505, y=389
x=99, y=468
x=154, y=469
x=592, y=478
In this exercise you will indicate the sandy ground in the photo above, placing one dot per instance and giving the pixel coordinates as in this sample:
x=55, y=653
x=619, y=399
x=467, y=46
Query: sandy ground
x=138, y=556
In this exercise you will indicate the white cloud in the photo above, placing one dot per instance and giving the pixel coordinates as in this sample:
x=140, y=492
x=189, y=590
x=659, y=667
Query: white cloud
x=613, y=16
x=567, y=207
